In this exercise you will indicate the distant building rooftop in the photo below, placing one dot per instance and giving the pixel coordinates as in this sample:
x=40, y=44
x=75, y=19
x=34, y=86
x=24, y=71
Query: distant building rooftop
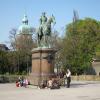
x=3, y=47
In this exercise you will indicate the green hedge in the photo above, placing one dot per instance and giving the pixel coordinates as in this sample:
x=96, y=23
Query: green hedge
x=86, y=78
x=9, y=78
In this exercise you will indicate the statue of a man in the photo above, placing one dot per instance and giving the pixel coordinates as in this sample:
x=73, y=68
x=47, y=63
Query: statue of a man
x=44, y=30
x=43, y=19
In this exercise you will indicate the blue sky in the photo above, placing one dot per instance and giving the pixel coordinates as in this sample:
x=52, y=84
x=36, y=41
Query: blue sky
x=12, y=11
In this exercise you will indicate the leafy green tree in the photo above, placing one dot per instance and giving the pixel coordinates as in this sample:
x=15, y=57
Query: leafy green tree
x=79, y=44
x=4, y=65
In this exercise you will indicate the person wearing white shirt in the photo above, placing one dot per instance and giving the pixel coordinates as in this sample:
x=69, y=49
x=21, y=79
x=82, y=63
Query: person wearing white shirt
x=68, y=75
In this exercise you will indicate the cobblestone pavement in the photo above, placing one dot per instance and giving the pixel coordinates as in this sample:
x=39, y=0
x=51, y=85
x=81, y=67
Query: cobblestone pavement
x=78, y=91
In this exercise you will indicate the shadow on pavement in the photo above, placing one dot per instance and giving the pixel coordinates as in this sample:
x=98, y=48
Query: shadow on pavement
x=77, y=85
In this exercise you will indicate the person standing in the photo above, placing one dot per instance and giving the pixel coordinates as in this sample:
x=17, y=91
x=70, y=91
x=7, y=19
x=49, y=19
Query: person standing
x=68, y=75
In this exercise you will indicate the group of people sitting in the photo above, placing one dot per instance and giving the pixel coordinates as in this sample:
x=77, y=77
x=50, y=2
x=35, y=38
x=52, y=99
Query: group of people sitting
x=52, y=83
x=22, y=82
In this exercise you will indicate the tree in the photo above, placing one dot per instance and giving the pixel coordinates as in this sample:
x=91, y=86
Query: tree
x=56, y=42
x=20, y=55
x=79, y=44
x=4, y=65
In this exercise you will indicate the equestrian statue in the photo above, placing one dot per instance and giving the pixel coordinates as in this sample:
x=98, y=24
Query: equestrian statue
x=45, y=30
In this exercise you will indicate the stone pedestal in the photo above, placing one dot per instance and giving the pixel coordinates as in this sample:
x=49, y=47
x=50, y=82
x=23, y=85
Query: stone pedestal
x=42, y=64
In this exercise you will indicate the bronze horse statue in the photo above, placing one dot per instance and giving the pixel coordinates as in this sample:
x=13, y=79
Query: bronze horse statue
x=44, y=31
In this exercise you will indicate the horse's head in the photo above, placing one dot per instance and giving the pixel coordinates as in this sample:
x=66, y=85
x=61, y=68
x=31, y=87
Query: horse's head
x=51, y=20
x=48, y=25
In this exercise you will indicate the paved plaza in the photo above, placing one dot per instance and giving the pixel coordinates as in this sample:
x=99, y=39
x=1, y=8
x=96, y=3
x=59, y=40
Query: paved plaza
x=79, y=91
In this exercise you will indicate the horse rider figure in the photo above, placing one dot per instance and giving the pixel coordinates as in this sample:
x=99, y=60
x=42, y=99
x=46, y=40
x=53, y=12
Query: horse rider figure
x=40, y=32
x=44, y=30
